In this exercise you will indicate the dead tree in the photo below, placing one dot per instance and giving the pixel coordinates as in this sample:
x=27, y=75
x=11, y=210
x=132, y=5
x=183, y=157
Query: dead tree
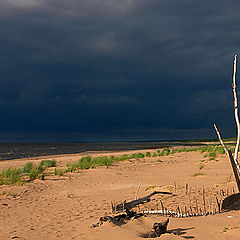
x=233, y=160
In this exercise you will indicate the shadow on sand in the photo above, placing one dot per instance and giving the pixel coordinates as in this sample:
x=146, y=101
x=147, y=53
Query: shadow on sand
x=178, y=231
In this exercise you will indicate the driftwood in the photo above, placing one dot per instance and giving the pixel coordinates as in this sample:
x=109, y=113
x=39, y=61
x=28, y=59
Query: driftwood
x=129, y=205
x=158, y=229
x=118, y=219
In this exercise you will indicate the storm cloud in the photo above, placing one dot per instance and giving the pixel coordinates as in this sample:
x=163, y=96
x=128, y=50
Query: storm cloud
x=116, y=70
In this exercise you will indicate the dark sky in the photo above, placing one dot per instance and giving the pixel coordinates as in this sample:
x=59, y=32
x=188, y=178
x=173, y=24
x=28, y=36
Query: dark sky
x=116, y=70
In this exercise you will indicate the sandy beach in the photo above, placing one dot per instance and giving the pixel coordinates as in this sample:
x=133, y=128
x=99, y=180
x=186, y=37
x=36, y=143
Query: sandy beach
x=66, y=207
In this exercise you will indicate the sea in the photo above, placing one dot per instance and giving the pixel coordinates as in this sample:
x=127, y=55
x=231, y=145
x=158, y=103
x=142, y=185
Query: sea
x=24, y=150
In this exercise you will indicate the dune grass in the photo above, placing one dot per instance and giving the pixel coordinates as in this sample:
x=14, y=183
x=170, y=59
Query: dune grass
x=201, y=166
x=48, y=163
x=59, y=172
x=198, y=174
x=28, y=172
x=11, y=176
x=148, y=154
x=88, y=162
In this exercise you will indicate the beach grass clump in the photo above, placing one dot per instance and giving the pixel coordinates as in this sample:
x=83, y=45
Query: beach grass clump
x=11, y=176
x=208, y=148
x=173, y=151
x=33, y=174
x=164, y=152
x=148, y=154
x=220, y=150
x=27, y=167
x=101, y=161
x=123, y=157
x=137, y=155
x=59, y=172
x=28, y=172
x=37, y=172
x=154, y=155
x=185, y=149
x=71, y=167
x=84, y=162
x=87, y=162
x=41, y=168
x=201, y=166
x=212, y=156
x=48, y=163
x=112, y=158
x=198, y=174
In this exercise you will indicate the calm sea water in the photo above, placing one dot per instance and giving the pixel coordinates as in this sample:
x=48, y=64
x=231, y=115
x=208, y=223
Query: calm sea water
x=22, y=150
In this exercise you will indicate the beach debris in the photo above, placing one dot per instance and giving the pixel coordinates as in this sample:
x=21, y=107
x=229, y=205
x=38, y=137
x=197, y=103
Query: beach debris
x=202, y=202
x=158, y=229
x=119, y=219
x=129, y=205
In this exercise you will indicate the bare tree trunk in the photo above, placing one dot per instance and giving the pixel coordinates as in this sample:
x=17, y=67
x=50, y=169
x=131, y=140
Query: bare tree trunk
x=234, y=161
x=236, y=113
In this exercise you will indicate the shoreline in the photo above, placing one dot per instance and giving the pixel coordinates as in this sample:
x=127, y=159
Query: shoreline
x=16, y=151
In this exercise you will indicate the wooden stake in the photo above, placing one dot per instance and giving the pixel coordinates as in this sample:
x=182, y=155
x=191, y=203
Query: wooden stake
x=213, y=206
x=178, y=209
x=204, y=201
x=162, y=207
x=191, y=210
x=196, y=206
x=218, y=203
x=112, y=207
x=139, y=185
x=186, y=188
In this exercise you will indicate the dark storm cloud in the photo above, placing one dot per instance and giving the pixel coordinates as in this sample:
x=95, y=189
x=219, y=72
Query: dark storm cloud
x=117, y=69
